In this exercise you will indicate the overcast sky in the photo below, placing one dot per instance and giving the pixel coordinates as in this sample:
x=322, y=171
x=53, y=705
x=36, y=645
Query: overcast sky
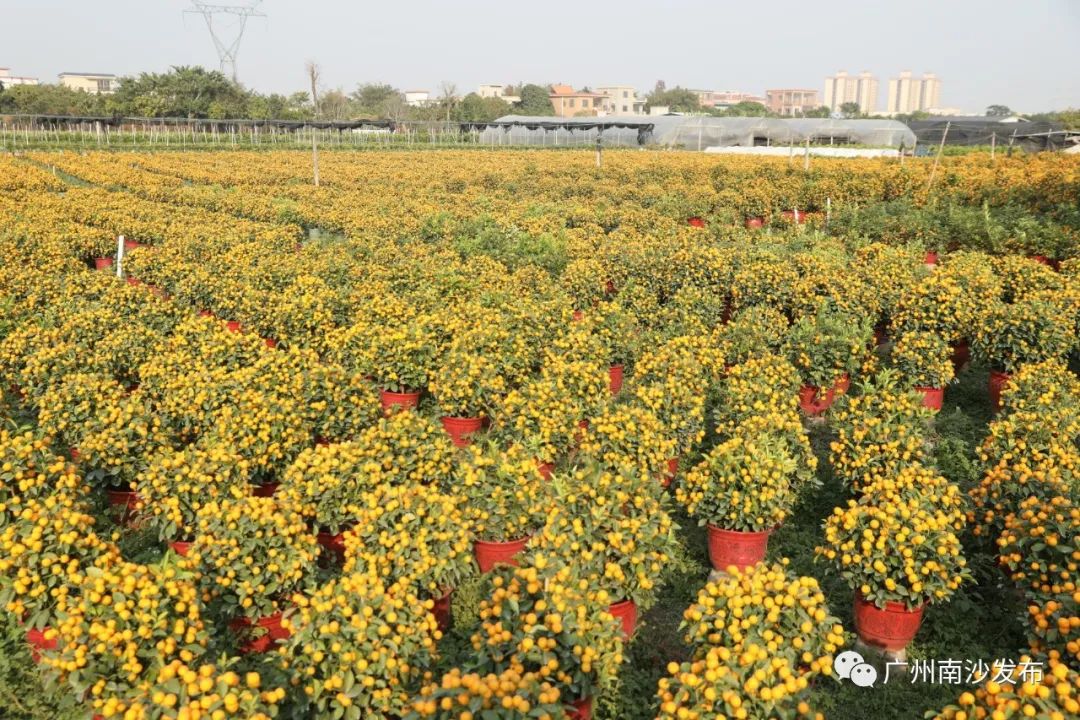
x=1022, y=53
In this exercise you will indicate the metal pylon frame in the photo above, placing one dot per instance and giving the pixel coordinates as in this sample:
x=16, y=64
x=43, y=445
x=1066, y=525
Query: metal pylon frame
x=227, y=51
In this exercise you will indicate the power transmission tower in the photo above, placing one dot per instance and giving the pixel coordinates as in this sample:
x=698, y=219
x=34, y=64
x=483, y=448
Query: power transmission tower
x=227, y=51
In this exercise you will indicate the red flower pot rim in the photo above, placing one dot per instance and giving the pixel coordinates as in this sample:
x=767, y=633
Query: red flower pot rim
x=490, y=553
x=741, y=548
x=460, y=428
x=891, y=627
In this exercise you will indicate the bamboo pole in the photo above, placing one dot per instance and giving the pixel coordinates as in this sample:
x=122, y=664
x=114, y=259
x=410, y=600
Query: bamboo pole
x=937, y=158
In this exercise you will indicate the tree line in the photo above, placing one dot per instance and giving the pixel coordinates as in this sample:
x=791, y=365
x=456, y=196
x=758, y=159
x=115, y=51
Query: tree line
x=195, y=92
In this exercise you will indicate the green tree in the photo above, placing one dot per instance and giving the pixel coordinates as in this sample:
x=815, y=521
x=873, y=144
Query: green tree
x=371, y=98
x=335, y=105
x=51, y=100
x=474, y=108
x=822, y=111
x=677, y=99
x=850, y=110
x=998, y=111
x=535, y=100
x=747, y=109
x=184, y=91
x=1069, y=119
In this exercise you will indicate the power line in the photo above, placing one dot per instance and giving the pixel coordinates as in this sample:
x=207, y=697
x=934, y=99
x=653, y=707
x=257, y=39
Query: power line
x=227, y=51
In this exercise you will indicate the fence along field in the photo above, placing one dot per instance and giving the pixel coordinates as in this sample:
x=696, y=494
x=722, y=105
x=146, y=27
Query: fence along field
x=508, y=433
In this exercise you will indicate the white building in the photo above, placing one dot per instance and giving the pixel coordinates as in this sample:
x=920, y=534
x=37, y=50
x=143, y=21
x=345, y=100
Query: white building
x=94, y=83
x=620, y=100
x=909, y=94
x=497, y=91
x=417, y=98
x=843, y=88
x=9, y=80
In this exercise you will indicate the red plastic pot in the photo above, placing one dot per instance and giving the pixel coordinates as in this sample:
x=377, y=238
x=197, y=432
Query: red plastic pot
x=695, y=222
x=626, y=613
x=578, y=316
x=126, y=500
x=754, y=223
x=444, y=612
x=271, y=628
x=1042, y=260
x=735, y=547
x=580, y=709
x=793, y=216
x=206, y=313
x=843, y=384
x=961, y=355
x=930, y=258
x=133, y=280
x=812, y=402
x=401, y=400
x=334, y=543
x=997, y=384
x=891, y=628
x=132, y=245
x=932, y=397
x=103, y=263
x=36, y=640
x=461, y=428
x=233, y=326
x=270, y=343
x=181, y=547
x=264, y=491
x=491, y=553
x=545, y=469
x=615, y=379
x=670, y=472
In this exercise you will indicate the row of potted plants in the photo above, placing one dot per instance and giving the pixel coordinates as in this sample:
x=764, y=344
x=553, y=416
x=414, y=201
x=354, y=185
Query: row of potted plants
x=897, y=544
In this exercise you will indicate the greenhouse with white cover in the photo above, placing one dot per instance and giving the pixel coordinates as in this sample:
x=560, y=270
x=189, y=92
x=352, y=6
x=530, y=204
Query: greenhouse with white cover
x=691, y=132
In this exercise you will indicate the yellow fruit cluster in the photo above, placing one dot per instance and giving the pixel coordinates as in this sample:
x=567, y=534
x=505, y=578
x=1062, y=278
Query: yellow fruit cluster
x=537, y=618
x=252, y=553
x=358, y=646
x=412, y=532
x=120, y=626
x=506, y=498
x=923, y=359
x=766, y=606
x=513, y=694
x=879, y=432
x=613, y=531
x=728, y=684
x=1054, y=695
x=744, y=484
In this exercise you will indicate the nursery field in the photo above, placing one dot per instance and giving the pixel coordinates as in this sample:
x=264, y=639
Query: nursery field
x=475, y=436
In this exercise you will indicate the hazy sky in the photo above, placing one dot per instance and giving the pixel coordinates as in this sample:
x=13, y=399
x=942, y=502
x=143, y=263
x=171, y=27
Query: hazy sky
x=1023, y=53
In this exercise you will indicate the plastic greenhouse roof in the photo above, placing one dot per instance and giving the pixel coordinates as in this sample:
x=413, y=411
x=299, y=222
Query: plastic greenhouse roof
x=698, y=132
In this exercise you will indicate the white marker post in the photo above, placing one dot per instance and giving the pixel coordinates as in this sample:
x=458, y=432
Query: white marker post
x=120, y=257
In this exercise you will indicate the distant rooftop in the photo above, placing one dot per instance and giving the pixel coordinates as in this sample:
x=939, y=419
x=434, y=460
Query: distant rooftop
x=977, y=118
x=84, y=74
